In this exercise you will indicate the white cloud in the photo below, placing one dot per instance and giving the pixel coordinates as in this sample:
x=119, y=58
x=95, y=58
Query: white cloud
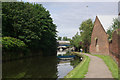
x=69, y=15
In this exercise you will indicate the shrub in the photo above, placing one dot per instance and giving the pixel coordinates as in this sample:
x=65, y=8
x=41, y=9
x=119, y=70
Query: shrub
x=10, y=44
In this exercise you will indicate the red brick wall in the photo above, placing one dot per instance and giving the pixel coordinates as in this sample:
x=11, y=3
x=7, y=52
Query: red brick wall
x=102, y=46
x=115, y=45
x=119, y=43
x=119, y=47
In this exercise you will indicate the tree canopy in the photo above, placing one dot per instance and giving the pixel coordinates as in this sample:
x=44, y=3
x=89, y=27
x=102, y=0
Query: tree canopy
x=83, y=40
x=115, y=25
x=60, y=38
x=65, y=38
x=30, y=23
x=85, y=31
x=76, y=40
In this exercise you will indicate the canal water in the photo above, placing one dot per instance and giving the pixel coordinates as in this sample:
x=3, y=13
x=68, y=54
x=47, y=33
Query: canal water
x=38, y=67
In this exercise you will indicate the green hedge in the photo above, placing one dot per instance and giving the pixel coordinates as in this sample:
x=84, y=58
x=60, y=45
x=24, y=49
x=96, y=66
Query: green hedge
x=10, y=44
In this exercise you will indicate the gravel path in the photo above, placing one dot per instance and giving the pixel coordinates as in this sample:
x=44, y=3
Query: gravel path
x=97, y=68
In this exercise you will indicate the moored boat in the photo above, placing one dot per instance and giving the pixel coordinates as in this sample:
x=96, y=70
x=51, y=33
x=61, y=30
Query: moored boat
x=66, y=57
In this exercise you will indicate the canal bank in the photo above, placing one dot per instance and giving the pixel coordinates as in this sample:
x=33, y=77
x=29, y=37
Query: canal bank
x=81, y=69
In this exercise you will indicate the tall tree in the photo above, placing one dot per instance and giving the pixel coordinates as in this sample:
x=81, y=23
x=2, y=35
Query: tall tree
x=85, y=32
x=76, y=41
x=65, y=38
x=30, y=23
x=115, y=25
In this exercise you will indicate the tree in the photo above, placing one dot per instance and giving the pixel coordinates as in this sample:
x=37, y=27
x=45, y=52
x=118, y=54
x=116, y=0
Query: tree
x=9, y=0
x=85, y=32
x=60, y=38
x=30, y=23
x=115, y=25
x=68, y=39
x=76, y=42
x=65, y=38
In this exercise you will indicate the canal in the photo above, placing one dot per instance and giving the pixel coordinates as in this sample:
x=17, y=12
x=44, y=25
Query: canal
x=38, y=67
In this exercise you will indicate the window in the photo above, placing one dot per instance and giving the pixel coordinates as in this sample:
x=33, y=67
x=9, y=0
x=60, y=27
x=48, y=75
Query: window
x=96, y=42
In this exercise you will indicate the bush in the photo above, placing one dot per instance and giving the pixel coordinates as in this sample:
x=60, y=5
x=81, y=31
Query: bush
x=10, y=44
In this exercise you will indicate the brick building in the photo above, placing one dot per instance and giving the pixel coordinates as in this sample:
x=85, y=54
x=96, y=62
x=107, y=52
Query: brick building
x=99, y=37
x=115, y=45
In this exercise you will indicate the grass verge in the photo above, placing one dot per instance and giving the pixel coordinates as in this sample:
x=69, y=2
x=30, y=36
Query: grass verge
x=81, y=69
x=112, y=65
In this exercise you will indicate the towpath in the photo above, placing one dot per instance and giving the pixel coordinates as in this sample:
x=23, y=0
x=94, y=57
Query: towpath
x=97, y=68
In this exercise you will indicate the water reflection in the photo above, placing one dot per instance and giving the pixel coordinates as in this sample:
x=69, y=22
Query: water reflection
x=64, y=68
x=37, y=67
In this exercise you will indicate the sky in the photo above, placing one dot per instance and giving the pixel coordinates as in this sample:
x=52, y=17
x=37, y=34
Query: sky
x=69, y=15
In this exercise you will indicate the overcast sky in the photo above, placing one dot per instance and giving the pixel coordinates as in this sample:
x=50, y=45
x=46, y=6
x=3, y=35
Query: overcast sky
x=69, y=15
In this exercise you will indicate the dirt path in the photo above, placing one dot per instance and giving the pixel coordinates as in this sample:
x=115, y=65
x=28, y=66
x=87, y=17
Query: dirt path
x=97, y=68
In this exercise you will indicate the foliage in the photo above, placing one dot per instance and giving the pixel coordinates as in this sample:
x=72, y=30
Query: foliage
x=0, y=19
x=113, y=67
x=68, y=39
x=60, y=38
x=85, y=32
x=76, y=41
x=115, y=25
x=30, y=23
x=83, y=40
x=64, y=38
x=81, y=69
x=9, y=0
x=12, y=44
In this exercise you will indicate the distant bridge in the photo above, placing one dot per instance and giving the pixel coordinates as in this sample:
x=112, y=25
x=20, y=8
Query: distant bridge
x=63, y=44
x=63, y=47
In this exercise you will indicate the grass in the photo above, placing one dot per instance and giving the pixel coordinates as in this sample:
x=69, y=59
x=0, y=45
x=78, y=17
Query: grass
x=112, y=65
x=81, y=69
